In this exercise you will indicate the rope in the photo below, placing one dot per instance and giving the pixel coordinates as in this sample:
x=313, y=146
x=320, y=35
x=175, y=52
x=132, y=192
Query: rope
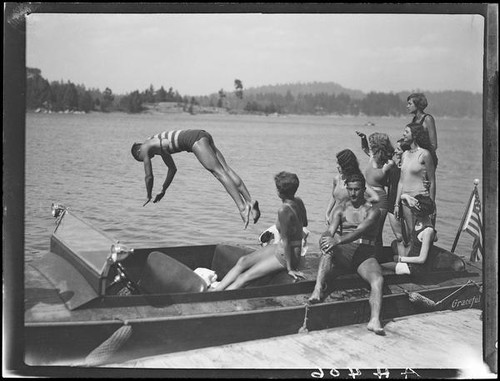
x=304, y=329
x=423, y=301
x=109, y=347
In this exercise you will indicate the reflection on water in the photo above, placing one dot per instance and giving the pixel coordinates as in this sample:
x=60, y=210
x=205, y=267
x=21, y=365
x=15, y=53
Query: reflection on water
x=84, y=162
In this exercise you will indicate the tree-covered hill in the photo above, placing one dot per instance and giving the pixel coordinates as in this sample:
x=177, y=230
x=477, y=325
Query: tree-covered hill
x=320, y=98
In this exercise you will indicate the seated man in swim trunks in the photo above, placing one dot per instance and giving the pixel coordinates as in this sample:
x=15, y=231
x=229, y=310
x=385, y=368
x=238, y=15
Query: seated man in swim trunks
x=353, y=247
x=201, y=143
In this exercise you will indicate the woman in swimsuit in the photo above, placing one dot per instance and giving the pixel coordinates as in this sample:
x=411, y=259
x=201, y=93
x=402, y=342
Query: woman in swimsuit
x=292, y=217
x=414, y=258
x=347, y=164
x=202, y=145
x=416, y=104
x=417, y=172
x=379, y=148
x=394, y=174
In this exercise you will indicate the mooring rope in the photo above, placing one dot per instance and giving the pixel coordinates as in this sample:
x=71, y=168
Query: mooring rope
x=304, y=329
x=104, y=352
x=419, y=299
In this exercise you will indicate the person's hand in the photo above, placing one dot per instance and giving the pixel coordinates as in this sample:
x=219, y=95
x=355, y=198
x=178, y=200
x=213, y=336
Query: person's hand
x=296, y=275
x=412, y=202
x=361, y=135
x=159, y=196
x=149, y=199
x=327, y=243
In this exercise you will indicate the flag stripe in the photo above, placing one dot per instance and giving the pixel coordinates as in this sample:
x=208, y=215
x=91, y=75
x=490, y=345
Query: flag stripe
x=473, y=226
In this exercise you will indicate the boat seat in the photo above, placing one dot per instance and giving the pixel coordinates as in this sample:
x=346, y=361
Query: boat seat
x=163, y=274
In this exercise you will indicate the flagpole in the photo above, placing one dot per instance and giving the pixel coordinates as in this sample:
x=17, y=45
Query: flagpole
x=476, y=182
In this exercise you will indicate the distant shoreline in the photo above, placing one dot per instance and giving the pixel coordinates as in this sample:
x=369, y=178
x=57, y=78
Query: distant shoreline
x=228, y=113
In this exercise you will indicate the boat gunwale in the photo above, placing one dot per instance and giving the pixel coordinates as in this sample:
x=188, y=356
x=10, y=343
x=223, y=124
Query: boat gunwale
x=270, y=309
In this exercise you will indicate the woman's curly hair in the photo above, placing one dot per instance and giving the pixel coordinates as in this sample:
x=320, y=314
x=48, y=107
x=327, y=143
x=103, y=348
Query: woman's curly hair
x=419, y=100
x=421, y=137
x=381, y=148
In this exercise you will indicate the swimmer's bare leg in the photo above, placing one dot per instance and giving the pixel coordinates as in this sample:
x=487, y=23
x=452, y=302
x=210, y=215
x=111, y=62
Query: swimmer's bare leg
x=371, y=271
x=325, y=264
x=245, y=214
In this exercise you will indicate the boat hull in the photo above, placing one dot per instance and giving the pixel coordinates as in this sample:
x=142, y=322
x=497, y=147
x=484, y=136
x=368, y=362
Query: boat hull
x=80, y=310
x=198, y=325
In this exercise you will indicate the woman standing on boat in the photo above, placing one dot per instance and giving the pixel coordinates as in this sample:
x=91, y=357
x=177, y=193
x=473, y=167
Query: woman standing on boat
x=417, y=173
x=397, y=225
x=413, y=259
x=347, y=164
x=416, y=104
x=201, y=143
x=292, y=217
x=379, y=148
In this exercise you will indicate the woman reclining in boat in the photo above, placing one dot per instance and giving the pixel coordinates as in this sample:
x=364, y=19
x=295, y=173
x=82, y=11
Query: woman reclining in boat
x=202, y=145
x=292, y=217
x=412, y=260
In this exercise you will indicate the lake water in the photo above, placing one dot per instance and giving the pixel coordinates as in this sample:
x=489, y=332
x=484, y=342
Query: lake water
x=84, y=162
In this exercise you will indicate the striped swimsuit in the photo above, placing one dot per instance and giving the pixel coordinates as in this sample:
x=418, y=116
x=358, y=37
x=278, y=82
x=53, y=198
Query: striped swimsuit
x=180, y=140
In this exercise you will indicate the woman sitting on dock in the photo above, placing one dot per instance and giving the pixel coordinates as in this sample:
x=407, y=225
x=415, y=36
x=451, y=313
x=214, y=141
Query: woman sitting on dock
x=202, y=145
x=347, y=164
x=379, y=148
x=415, y=256
x=292, y=217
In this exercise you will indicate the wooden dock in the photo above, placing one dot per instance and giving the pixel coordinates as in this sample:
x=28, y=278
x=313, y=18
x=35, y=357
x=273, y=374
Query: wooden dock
x=446, y=339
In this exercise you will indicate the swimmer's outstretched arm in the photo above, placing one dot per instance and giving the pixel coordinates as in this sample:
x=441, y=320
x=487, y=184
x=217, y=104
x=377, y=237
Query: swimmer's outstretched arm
x=149, y=178
x=172, y=170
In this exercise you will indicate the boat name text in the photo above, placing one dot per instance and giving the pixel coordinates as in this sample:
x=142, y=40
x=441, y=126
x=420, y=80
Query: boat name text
x=466, y=302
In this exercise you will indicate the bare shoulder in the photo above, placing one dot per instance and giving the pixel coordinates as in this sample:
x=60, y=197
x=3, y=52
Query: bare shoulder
x=425, y=154
x=428, y=118
x=372, y=211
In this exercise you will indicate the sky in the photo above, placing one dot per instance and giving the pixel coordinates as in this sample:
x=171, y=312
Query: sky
x=199, y=54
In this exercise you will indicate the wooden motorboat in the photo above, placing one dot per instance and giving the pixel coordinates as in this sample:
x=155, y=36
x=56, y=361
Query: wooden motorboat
x=90, y=299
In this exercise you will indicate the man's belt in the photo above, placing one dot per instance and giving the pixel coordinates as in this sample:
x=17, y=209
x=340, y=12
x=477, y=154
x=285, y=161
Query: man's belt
x=365, y=241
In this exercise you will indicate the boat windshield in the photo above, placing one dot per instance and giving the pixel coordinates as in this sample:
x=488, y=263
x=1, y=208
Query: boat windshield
x=89, y=244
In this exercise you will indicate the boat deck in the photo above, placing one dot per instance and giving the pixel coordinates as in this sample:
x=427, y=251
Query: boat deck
x=445, y=339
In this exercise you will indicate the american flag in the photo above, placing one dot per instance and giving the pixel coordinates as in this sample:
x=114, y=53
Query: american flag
x=473, y=225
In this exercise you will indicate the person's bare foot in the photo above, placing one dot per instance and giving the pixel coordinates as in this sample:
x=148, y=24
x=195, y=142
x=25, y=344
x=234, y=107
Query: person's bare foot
x=317, y=296
x=255, y=211
x=376, y=327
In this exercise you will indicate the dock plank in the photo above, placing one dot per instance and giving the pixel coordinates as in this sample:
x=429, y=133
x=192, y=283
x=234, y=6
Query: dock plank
x=446, y=339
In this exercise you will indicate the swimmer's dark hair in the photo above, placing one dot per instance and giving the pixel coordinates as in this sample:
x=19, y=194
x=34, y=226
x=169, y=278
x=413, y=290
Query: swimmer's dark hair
x=419, y=100
x=356, y=177
x=135, y=151
x=421, y=137
x=348, y=162
x=286, y=183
